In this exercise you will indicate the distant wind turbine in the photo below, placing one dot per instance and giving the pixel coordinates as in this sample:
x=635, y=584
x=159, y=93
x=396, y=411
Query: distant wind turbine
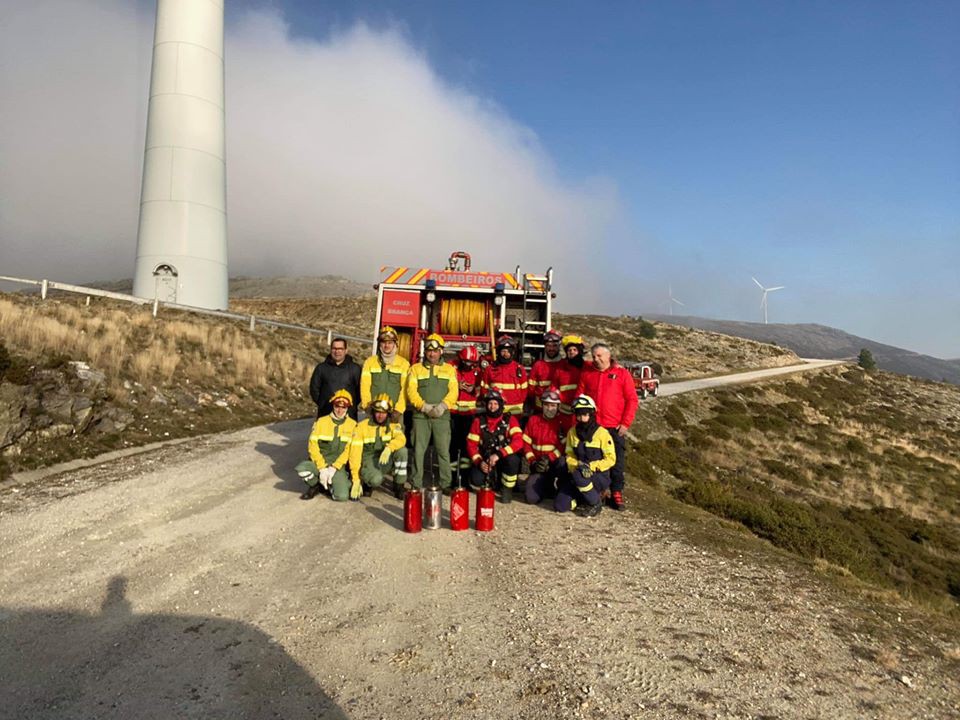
x=673, y=301
x=763, y=300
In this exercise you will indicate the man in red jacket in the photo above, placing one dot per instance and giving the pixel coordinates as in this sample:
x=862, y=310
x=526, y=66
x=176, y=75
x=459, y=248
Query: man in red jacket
x=543, y=371
x=611, y=386
x=507, y=376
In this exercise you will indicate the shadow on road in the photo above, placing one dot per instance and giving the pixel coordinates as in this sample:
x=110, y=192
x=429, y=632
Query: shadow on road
x=390, y=514
x=289, y=449
x=119, y=664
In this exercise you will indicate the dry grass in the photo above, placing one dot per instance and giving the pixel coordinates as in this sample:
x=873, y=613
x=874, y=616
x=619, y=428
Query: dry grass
x=127, y=342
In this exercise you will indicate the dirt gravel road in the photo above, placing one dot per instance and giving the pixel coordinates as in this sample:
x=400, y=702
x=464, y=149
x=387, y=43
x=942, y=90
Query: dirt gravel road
x=191, y=582
x=683, y=386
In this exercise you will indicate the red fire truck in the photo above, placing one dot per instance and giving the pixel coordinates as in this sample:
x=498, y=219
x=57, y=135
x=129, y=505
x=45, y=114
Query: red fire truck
x=465, y=306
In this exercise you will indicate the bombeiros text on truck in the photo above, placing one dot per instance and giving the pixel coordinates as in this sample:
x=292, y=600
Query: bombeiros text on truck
x=465, y=306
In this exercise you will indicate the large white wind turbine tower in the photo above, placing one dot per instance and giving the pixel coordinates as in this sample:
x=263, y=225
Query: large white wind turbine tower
x=182, y=238
x=763, y=300
x=672, y=301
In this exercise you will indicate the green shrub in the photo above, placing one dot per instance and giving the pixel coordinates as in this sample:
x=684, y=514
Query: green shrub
x=787, y=472
x=866, y=361
x=674, y=418
x=646, y=329
x=4, y=361
x=879, y=545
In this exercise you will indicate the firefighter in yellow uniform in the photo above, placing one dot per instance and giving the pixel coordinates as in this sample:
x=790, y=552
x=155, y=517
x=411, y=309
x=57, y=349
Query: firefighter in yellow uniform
x=432, y=391
x=385, y=373
x=329, y=448
x=378, y=448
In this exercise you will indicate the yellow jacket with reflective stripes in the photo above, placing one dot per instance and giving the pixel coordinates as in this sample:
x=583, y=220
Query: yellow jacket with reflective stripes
x=368, y=437
x=432, y=384
x=329, y=442
x=375, y=378
x=599, y=451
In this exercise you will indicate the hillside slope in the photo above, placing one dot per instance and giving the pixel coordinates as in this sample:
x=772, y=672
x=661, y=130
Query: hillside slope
x=857, y=471
x=811, y=340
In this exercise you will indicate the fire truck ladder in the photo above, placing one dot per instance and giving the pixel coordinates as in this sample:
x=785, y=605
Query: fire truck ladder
x=531, y=331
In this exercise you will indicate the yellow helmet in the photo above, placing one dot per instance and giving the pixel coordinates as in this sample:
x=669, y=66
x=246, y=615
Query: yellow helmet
x=382, y=403
x=342, y=395
x=571, y=340
x=387, y=332
x=434, y=342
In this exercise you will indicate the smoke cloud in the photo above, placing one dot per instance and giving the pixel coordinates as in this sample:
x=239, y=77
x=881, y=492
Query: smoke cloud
x=342, y=155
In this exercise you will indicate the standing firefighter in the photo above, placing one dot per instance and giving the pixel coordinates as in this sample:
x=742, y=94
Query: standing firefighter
x=432, y=392
x=567, y=377
x=385, y=373
x=590, y=455
x=542, y=438
x=507, y=376
x=611, y=386
x=329, y=446
x=494, y=441
x=378, y=448
x=469, y=376
x=544, y=371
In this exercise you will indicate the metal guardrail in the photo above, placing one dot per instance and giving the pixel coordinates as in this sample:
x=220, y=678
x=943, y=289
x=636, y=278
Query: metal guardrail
x=251, y=320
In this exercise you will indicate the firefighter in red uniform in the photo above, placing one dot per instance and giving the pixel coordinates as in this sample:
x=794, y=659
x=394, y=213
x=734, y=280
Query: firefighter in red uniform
x=469, y=376
x=542, y=446
x=543, y=372
x=507, y=376
x=494, y=443
x=567, y=377
x=611, y=386
x=590, y=455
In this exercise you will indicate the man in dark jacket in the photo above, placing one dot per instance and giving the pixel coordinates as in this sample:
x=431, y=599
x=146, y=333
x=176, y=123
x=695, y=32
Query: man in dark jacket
x=337, y=372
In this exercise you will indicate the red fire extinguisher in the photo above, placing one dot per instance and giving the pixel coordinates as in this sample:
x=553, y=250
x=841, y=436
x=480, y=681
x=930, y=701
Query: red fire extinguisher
x=460, y=509
x=413, y=511
x=485, y=499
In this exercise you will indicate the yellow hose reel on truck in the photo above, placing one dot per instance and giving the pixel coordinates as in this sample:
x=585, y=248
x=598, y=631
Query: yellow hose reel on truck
x=464, y=306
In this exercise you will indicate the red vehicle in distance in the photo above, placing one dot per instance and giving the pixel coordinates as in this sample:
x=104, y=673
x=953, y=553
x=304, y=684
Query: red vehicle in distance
x=644, y=379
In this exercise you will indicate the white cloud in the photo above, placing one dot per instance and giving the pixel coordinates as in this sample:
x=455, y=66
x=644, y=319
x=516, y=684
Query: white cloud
x=342, y=155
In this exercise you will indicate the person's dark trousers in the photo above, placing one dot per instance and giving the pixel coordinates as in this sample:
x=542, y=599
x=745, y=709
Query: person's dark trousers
x=616, y=472
x=544, y=485
x=509, y=466
x=458, y=447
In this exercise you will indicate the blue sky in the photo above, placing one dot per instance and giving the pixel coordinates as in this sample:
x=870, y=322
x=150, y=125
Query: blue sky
x=814, y=145
x=631, y=145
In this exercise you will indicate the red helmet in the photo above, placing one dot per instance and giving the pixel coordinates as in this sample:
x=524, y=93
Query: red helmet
x=470, y=354
x=506, y=341
x=551, y=336
x=550, y=395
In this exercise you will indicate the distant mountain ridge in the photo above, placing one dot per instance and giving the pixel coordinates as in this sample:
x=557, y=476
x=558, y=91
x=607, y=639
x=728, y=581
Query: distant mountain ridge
x=821, y=341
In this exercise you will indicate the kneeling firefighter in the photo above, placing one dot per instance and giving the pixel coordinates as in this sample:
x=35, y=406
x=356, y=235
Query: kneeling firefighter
x=378, y=448
x=542, y=439
x=494, y=441
x=590, y=454
x=329, y=446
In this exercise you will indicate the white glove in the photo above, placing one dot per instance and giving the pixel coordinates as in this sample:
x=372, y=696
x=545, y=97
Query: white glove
x=325, y=476
x=437, y=410
x=427, y=409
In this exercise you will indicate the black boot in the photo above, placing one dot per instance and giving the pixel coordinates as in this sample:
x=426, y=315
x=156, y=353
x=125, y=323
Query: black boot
x=589, y=511
x=506, y=495
x=311, y=492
